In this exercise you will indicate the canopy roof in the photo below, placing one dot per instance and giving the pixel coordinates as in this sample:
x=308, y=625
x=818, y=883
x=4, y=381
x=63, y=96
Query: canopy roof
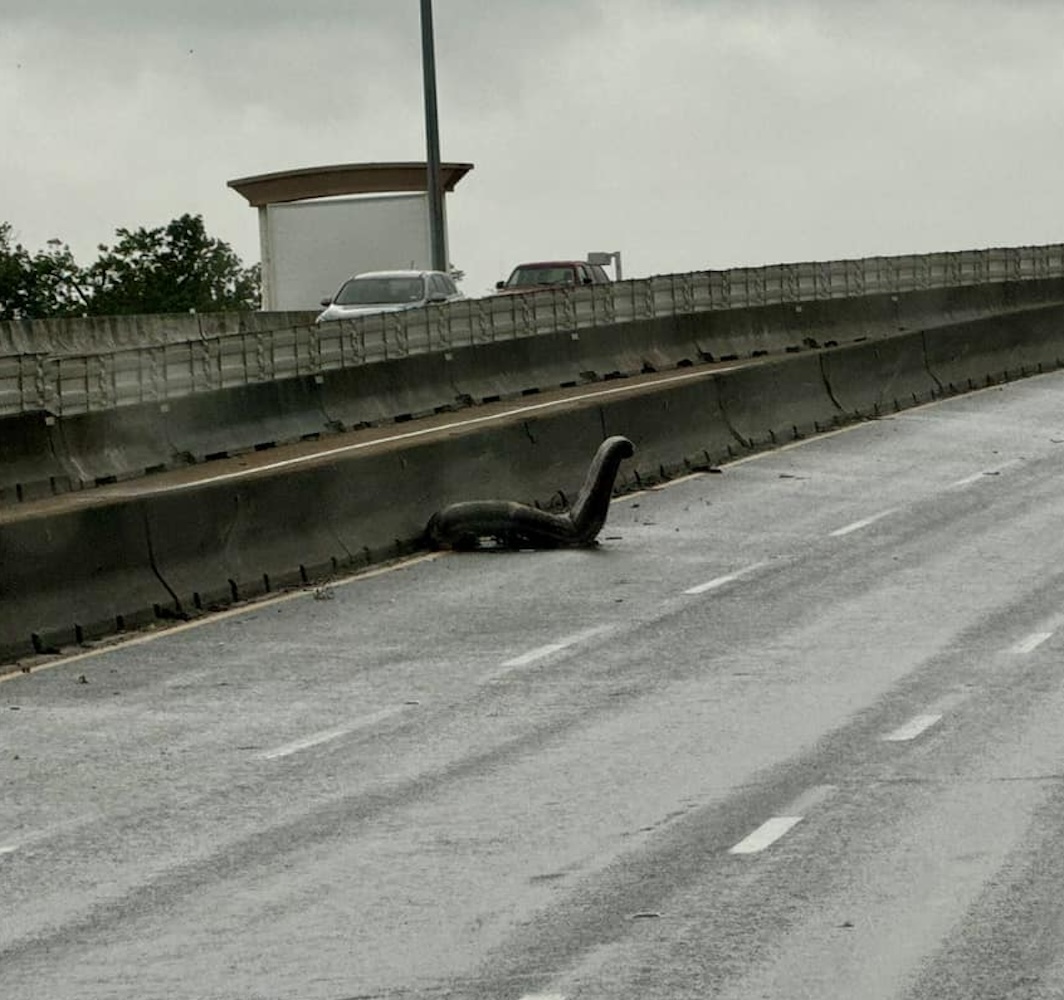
x=343, y=178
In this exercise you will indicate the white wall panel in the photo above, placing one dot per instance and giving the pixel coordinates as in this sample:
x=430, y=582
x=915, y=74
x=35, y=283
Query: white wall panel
x=313, y=246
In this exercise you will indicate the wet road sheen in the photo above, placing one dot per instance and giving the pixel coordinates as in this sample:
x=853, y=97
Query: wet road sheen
x=791, y=731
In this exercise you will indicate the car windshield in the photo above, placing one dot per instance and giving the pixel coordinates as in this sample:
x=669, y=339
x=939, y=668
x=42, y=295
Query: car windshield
x=380, y=291
x=541, y=276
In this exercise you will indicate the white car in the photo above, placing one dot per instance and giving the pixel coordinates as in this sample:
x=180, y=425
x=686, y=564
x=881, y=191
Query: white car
x=388, y=291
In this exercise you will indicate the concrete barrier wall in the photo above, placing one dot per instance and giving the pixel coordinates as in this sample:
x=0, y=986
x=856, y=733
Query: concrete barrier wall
x=980, y=352
x=674, y=429
x=506, y=317
x=31, y=464
x=109, y=334
x=238, y=541
x=112, y=563
x=97, y=364
x=119, y=443
x=880, y=376
x=84, y=573
x=75, y=576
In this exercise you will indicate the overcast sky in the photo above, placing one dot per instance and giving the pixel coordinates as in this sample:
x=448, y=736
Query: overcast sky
x=688, y=134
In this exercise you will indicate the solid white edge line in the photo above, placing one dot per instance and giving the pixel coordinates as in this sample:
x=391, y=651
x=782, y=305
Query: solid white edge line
x=765, y=835
x=250, y=606
x=9, y=672
x=687, y=477
x=911, y=729
x=422, y=432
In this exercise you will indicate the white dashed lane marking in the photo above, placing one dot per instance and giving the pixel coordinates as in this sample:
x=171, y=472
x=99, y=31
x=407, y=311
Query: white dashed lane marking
x=1031, y=643
x=722, y=581
x=863, y=523
x=913, y=728
x=765, y=835
x=542, y=652
x=328, y=735
x=773, y=829
x=534, y=656
x=977, y=477
x=8, y=848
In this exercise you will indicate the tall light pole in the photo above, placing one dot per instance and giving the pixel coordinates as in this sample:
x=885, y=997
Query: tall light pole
x=432, y=137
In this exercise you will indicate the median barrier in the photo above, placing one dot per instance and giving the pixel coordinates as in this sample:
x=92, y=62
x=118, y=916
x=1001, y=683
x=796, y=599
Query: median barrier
x=946, y=306
x=537, y=456
x=787, y=328
x=525, y=366
x=529, y=365
x=933, y=308
x=167, y=551
x=676, y=428
x=841, y=321
x=17, y=337
x=73, y=576
x=88, y=335
x=203, y=423
x=794, y=326
x=643, y=345
x=777, y=400
x=741, y=333
x=507, y=368
x=879, y=376
x=112, y=445
x=221, y=324
x=997, y=348
x=388, y=391
x=239, y=539
x=247, y=418
x=173, y=551
x=108, y=334
x=30, y=466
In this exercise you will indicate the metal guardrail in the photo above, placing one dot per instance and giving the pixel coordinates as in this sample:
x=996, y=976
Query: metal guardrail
x=75, y=384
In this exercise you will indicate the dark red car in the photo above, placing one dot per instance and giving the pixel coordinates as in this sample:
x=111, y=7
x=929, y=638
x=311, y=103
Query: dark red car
x=543, y=274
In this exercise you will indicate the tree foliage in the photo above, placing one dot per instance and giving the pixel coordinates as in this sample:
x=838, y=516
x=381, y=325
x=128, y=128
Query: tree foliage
x=173, y=268
x=13, y=271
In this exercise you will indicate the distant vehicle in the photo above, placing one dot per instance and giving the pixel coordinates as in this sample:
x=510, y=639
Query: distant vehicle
x=388, y=291
x=544, y=274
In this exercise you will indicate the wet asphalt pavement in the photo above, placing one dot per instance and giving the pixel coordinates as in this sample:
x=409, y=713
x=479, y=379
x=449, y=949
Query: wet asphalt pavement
x=791, y=731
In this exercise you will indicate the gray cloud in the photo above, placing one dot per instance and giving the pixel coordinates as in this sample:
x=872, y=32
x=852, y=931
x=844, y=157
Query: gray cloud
x=687, y=134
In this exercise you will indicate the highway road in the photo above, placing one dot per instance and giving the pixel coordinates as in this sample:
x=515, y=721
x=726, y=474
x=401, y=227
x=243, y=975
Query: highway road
x=792, y=730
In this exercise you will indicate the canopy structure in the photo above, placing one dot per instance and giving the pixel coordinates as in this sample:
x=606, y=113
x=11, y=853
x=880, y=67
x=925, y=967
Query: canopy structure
x=343, y=178
x=311, y=236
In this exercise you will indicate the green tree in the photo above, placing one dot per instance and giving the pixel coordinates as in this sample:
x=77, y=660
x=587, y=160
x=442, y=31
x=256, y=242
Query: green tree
x=173, y=268
x=47, y=283
x=14, y=275
x=59, y=286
